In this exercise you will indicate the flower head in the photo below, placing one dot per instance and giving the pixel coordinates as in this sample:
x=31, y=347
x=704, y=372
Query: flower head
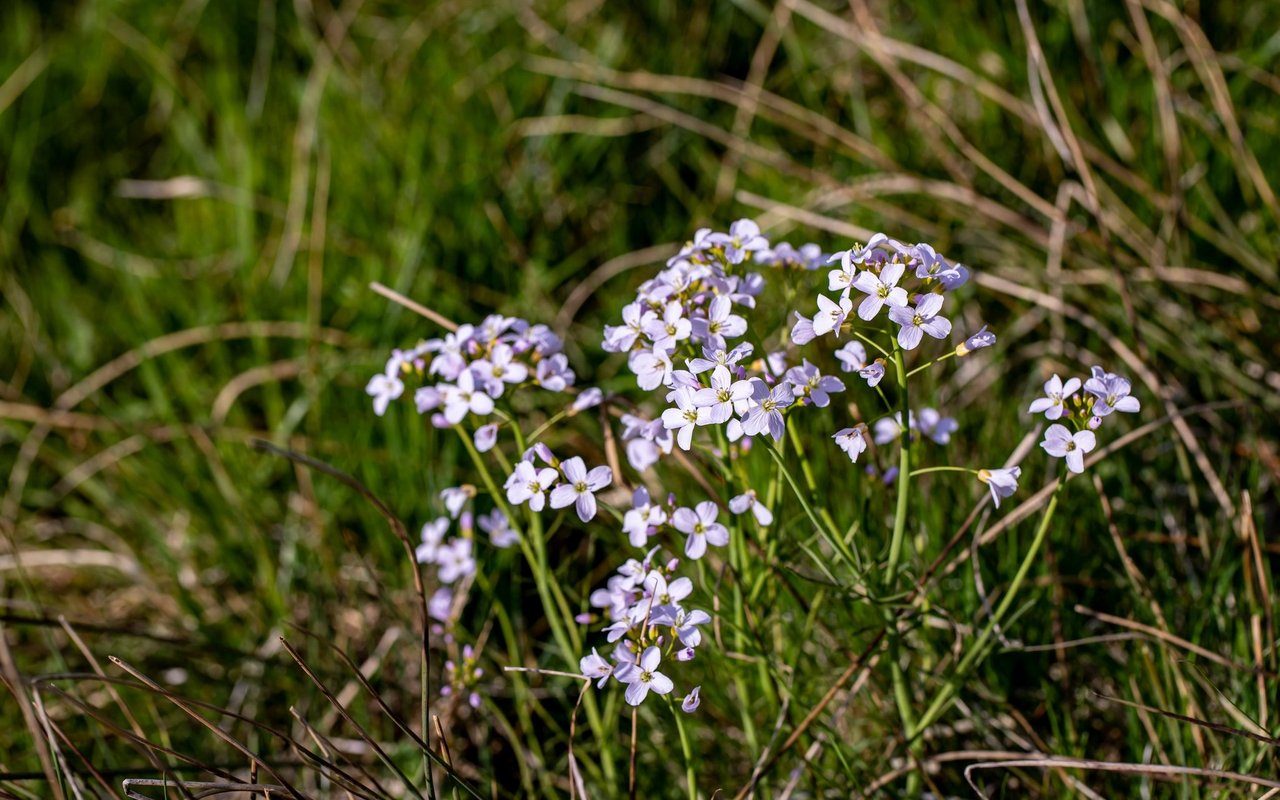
x=1053, y=404
x=699, y=524
x=1062, y=443
x=580, y=487
x=1001, y=482
x=645, y=677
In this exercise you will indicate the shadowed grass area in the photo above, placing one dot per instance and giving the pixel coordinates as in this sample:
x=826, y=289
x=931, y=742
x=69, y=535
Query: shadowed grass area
x=196, y=197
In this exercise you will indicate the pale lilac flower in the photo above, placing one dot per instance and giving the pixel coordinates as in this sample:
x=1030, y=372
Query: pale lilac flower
x=853, y=441
x=652, y=368
x=1112, y=393
x=685, y=416
x=554, y=373
x=496, y=524
x=667, y=594
x=593, y=666
x=620, y=338
x=852, y=357
x=719, y=358
x=722, y=398
x=1001, y=482
x=880, y=290
x=691, y=700
x=743, y=238
x=932, y=265
x=872, y=373
x=803, y=331
x=979, y=340
x=672, y=328
x=385, y=387
x=590, y=398
x=720, y=323
x=531, y=484
x=454, y=560
x=432, y=535
x=918, y=321
x=642, y=516
x=700, y=525
x=886, y=429
x=684, y=622
x=454, y=498
x=831, y=315
x=934, y=425
x=427, y=398
x=841, y=279
x=749, y=500
x=580, y=487
x=440, y=604
x=486, y=437
x=1053, y=404
x=768, y=414
x=499, y=369
x=807, y=381
x=645, y=677
x=465, y=398
x=702, y=239
x=1062, y=443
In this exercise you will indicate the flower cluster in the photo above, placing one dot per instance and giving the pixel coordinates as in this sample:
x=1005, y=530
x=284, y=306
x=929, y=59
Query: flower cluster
x=875, y=271
x=474, y=365
x=529, y=483
x=454, y=558
x=1104, y=394
x=460, y=679
x=649, y=623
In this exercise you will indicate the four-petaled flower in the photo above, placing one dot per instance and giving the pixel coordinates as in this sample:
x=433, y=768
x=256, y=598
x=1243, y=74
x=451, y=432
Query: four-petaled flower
x=1001, y=482
x=880, y=289
x=1062, y=443
x=1111, y=392
x=685, y=416
x=645, y=677
x=580, y=487
x=1053, y=404
x=918, y=321
x=531, y=484
x=699, y=523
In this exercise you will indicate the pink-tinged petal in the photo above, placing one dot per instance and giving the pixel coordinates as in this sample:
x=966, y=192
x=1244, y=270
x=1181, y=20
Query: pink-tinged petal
x=892, y=273
x=897, y=297
x=598, y=478
x=763, y=515
x=1070, y=387
x=777, y=427
x=1075, y=461
x=1129, y=404
x=1041, y=404
x=717, y=535
x=938, y=327
x=650, y=659
x=546, y=477
x=661, y=683
x=909, y=337
x=537, y=502
x=481, y=404
x=684, y=520
x=563, y=496
x=1053, y=386
x=574, y=470
x=866, y=282
x=685, y=437
x=1056, y=410
x=695, y=546
x=903, y=315
x=673, y=418
x=930, y=305
x=680, y=588
x=707, y=511
x=870, y=306
x=586, y=506
x=1085, y=441
x=637, y=692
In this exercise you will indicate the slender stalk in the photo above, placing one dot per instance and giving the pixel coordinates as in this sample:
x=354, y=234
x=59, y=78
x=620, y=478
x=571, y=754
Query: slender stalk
x=975, y=653
x=901, y=694
x=553, y=600
x=690, y=775
x=927, y=470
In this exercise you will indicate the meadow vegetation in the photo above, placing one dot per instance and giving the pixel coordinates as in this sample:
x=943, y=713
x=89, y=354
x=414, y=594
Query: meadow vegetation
x=207, y=535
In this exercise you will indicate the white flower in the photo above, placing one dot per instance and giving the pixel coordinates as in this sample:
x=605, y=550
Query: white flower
x=580, y=487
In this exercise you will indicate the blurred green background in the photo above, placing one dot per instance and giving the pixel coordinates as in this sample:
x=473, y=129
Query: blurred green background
x=195, y=196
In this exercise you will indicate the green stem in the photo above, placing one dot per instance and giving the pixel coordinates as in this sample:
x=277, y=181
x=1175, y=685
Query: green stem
x=974, y=654
x=901, y=694
x=927, y=470
x=690, y=775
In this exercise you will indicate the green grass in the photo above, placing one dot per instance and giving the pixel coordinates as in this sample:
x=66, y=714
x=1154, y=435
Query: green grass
x=491, y=157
